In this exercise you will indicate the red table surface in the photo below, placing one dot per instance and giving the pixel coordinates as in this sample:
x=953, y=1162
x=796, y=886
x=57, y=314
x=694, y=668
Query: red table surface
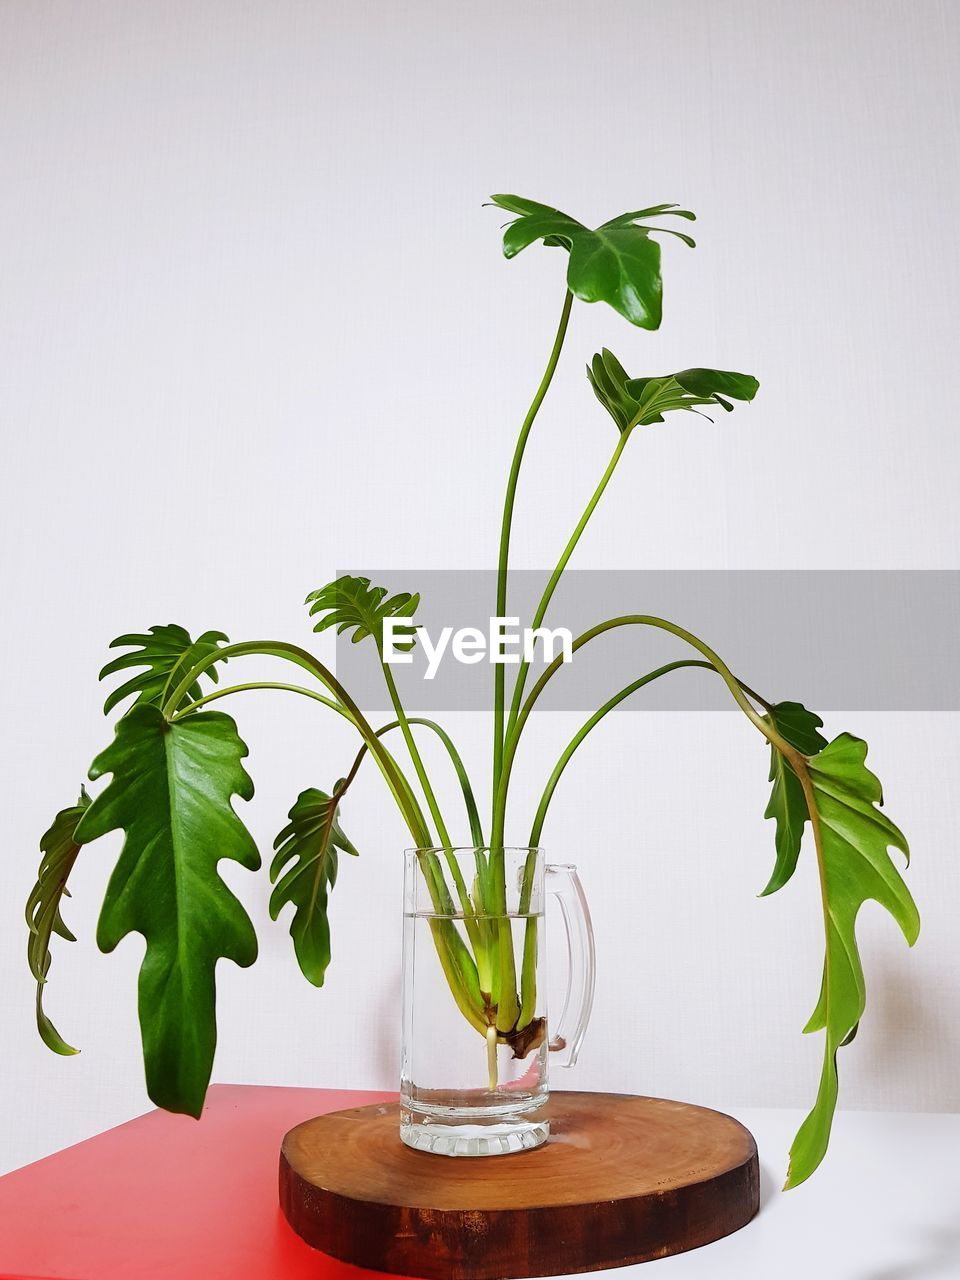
x=168, y=1196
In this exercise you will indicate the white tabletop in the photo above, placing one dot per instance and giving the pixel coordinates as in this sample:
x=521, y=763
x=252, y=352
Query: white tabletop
x=884, y=1205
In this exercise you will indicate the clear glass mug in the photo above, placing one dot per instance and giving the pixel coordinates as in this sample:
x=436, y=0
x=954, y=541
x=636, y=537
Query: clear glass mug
x=473, y=1075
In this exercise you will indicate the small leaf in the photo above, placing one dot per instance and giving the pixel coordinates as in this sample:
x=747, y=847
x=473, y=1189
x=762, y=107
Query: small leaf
x=608, y=379
x=304, y=870
x=852, y=838
x=714, y=382
x=166, y=653
x=643, y=401
x=171, y=793
x=554, y=227
x=59, y=848
x=654, y=212
x=517, y=204
x=787, y=804
x=352, y=604
x=617, y=263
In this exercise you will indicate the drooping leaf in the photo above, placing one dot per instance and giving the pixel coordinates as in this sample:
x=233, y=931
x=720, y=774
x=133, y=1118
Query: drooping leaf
x=644, y=401
x=788, y=805
x=617, y=262
x=171, y=790
x=59, y=848
x=852, y=838
x=352, y=604
x=166, y=653
x=303, y=871
x=715, y=384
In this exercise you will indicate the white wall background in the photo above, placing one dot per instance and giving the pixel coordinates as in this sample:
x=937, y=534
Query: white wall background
x=254, y=325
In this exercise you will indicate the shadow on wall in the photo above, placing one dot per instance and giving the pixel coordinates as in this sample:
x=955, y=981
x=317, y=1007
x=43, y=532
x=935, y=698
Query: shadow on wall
x=911, y=1041
x=939, y=1255
x=386, y=1041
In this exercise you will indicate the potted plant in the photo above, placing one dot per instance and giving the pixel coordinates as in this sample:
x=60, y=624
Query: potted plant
x=176, y=764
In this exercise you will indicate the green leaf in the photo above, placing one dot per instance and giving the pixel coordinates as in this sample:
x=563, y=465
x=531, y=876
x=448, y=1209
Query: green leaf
x=304, y=870
x=717, y=382
x=520, y=205
x=617, y=263
x=352, y=604
x=787, y=804
x=166, y=653
x=552, y=228
x=643, y=401
x=852, y=839
x=171, y=791
x=620, y=266
x=59, y=848
x=653, y=212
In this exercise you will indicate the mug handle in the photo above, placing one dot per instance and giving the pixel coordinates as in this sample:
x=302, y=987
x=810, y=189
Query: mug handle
x=564, y=883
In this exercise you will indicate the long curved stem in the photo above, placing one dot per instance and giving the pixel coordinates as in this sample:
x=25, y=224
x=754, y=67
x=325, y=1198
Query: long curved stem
x=459, y=966
x=473, y=929
x=250, y=686
x=254, y=685
x=416, y=757
x=528, y=982
x=507, y=521
x=469, y=800
x=399, y=787
x=528, y=970
x=765, y=727
x=568, y=751
x=558, y=571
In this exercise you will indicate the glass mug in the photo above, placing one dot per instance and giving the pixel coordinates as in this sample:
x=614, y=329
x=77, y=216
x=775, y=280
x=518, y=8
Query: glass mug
x=473, y=1075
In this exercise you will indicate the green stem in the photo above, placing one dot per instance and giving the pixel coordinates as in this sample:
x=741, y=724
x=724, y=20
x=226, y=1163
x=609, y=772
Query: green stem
x=257, y=684
x=639, y=619
x=473, y=814
x=561, y=565
x=302, y=658
x=504, y=969
x=476, y=829
x=528, y=976
x=507, y=521
x=458, y=965
x=460, y=972
x=415, y=756
x=450, y=855
x=529, y=955
x=469, y=801
x=568, y=751
x=528, y=972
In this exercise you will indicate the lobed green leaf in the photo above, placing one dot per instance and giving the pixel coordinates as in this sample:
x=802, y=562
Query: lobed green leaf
x=788, y=806
x=166, y=654
x=304, y=870
x=59, y=847
x=171, y=793
x=617, y=262
x=635, y=402
x=352, y=604
x=853, y=838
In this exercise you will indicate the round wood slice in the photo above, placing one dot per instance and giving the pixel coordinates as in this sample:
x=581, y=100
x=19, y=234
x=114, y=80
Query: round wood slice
x=622, y=1179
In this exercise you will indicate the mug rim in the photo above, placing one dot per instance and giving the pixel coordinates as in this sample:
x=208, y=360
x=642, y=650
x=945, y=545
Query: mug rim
x=474, y=848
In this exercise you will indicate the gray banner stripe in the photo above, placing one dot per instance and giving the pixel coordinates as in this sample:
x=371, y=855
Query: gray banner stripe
x=847, y=640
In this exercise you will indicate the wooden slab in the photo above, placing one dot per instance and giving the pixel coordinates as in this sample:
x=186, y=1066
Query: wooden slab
x=622, y=1179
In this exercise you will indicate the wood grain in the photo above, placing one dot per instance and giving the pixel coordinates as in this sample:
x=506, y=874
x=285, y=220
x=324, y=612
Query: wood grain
x=622, y=1179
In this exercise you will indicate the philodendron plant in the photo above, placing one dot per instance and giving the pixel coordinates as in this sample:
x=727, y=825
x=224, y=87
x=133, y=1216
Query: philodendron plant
x=175, y=765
